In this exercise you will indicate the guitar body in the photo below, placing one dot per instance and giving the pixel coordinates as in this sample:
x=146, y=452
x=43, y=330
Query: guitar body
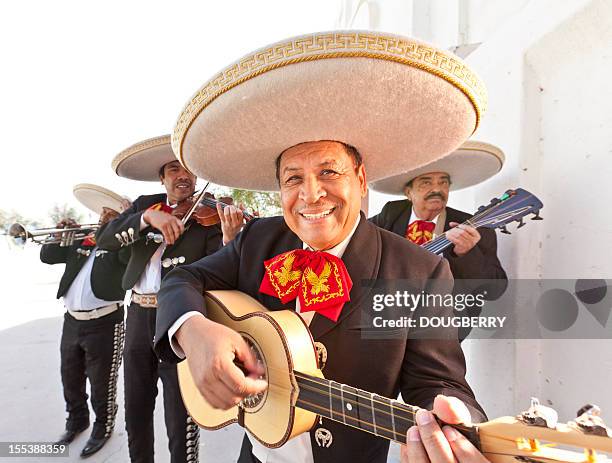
x=282, y=341
x=284, y=344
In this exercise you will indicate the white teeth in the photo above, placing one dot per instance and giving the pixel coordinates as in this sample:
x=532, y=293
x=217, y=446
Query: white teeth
x=317, y=216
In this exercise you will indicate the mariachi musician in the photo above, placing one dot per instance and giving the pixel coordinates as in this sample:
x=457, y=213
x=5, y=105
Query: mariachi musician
x=92, y=333
x=424, y=215
x=314, y=258
x=159, y=242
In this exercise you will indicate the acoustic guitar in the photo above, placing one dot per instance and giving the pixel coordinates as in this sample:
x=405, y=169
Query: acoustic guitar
x=298, y=393
x=510, y=207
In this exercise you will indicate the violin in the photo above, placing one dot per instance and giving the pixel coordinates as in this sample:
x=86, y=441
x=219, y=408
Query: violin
x=205, y=213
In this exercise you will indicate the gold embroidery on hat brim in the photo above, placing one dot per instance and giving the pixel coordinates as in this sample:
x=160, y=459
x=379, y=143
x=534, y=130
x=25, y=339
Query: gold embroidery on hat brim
x=138, y=147
x=431, y=60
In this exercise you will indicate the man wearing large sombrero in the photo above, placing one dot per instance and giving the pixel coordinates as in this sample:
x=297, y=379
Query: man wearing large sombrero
x=92, y=333
x=310, y=116
x=159, y=241
x=424, y=214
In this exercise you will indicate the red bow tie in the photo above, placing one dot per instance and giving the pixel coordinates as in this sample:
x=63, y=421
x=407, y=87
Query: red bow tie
x=420, y=231
x=318, y=279
x=161, y=207
x=89, y=241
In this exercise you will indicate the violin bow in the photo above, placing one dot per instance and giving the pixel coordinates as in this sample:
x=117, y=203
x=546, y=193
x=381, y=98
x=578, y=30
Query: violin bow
x=195, y=204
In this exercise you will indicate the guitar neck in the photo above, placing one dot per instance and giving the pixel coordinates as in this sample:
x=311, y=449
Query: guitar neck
x=360, y=409
x=437, y=245
x=440, y=243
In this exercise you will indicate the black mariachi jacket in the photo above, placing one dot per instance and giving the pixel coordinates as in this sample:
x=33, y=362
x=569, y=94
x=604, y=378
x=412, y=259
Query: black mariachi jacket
x=480, y=263
x=196, y=242
x=106, y=273
x=418, y=368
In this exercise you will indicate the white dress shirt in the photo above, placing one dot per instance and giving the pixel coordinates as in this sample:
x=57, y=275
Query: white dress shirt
x=298, y=449
x=150, y=279
x=80, y=296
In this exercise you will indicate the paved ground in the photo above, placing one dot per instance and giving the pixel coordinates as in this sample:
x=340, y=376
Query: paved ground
x=31, y=403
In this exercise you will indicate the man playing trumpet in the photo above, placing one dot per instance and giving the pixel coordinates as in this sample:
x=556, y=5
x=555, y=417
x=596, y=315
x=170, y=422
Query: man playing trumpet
x=92, y=333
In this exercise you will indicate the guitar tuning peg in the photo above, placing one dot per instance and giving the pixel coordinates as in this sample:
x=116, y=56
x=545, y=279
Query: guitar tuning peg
x=537, y=216
x=590, y=421
x=504, y=230
x=590, y=409
x=520, y=223
x=495, y=200
x=481, y=208
x=539, y=415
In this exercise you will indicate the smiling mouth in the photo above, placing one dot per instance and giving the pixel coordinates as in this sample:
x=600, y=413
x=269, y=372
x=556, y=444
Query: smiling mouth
x=183, y=186
x=318, y=215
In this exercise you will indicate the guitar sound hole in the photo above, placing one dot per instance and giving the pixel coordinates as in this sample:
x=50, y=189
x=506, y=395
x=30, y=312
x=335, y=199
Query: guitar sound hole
x=252, y=402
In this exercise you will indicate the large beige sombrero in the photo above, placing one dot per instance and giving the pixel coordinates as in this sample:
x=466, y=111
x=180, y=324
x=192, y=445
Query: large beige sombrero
x=401, y=102
x=472, y=163
x=143, y=160
x=95, y=197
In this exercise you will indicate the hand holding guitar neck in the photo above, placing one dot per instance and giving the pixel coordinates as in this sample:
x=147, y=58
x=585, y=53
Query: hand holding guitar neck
x=512, y=206
x=430, y=441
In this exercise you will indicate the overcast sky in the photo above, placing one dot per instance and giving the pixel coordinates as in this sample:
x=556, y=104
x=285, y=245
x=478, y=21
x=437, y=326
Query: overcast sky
x=80, y=81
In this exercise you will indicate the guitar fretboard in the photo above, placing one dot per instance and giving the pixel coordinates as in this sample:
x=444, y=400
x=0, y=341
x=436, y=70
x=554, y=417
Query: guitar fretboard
x=360, y=409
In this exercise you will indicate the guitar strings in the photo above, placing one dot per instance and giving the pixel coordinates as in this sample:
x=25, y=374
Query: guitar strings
x=442, y=238
x=361, y=394
x=476, y=216
x=359, y=421
x=393, y=404
x=439, y=242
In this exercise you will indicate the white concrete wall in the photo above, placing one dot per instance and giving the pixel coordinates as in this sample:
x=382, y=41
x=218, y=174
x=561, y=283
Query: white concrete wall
x=548, y=99
x=547, y=66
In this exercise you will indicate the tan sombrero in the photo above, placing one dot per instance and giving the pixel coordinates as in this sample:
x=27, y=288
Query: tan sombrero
x=95, y=197
x=143, y=160
x=472, y=163
x=401, y=102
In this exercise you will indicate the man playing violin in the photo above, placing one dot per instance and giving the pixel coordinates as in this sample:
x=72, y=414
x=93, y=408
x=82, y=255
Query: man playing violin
x=159, y=242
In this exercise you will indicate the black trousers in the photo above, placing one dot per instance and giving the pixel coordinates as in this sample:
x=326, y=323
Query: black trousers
x=142, y=369
x=91, y=349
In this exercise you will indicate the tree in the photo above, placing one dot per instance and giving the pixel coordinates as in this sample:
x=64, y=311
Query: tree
x=7, y=218
x=59, y=213
x=266, y=203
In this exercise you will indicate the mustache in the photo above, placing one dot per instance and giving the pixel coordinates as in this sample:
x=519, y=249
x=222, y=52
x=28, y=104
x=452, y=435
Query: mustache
x=435, y=194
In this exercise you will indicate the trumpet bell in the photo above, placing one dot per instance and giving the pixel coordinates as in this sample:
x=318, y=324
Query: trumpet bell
x=61, y=236
x=18, y=234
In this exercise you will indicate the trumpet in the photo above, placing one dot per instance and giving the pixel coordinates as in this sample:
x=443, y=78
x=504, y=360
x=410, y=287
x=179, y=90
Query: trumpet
x=41, y=236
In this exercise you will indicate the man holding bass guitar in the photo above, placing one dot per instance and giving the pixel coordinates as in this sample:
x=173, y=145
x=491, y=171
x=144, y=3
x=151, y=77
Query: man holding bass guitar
x=424, y=215
x=159, y=241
